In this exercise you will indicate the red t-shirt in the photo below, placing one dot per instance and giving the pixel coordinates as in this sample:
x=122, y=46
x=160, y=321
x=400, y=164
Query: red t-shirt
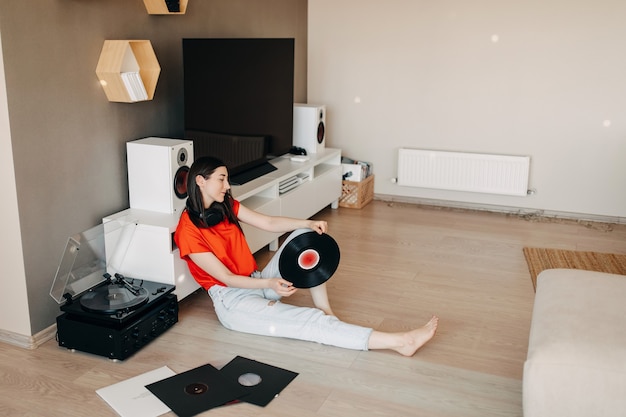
x=224, y=240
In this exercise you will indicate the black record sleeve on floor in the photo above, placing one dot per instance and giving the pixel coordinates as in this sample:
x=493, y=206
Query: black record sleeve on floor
x=197, y=390
x=262, y=382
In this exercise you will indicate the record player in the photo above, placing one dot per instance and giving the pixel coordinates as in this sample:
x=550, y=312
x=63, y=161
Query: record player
x=105, y=312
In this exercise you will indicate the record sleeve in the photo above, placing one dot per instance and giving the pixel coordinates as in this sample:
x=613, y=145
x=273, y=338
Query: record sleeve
x=197, y=390
x=262, y=382
x=130, y=398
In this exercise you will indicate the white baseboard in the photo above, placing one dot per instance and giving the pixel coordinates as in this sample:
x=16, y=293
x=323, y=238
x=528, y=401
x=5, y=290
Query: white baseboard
x=28, y=342
x=521, y=212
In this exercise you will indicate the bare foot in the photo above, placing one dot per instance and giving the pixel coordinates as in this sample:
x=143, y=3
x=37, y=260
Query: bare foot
x=415, y=339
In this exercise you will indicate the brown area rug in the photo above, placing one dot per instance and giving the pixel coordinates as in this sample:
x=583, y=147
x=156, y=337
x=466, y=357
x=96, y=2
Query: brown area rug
x=539, y=259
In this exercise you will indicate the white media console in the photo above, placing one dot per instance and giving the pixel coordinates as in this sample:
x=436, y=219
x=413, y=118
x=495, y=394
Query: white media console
x=295, y=189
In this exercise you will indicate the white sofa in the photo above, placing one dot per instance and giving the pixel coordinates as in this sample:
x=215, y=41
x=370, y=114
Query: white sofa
x=576, y=363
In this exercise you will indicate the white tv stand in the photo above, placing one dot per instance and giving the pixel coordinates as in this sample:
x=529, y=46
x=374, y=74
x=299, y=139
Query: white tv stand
x=318, y=185
x=152, y=255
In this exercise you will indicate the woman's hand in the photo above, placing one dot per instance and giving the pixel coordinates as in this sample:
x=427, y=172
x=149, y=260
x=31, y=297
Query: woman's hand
x=319, y=226
x=282, y=287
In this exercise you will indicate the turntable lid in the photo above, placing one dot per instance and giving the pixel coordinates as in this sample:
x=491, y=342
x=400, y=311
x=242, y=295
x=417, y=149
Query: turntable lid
x=82, y=266
x=85, y=260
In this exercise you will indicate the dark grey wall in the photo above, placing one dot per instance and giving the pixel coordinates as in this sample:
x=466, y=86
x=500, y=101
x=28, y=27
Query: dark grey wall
x=68, y=140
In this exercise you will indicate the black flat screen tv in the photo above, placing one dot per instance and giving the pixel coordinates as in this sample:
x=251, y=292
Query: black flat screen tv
x=238, y=101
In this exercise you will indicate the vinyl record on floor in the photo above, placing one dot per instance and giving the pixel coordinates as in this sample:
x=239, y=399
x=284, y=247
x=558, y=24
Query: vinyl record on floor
x=309, y=259
x=195, y=391
x=261, y=381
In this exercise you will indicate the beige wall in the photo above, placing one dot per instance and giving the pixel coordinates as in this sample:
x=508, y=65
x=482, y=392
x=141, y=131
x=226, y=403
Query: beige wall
x=536, y=77
x=14, y=306
x=68, y=141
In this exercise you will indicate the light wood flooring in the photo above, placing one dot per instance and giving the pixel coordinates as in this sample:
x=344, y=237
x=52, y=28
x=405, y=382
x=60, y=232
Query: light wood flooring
x=400, y=263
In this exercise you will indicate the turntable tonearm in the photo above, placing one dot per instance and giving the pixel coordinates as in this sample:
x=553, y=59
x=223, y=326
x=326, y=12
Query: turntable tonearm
x=112, y=316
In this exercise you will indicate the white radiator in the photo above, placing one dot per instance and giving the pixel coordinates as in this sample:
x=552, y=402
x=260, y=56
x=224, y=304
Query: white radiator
x=459, y=171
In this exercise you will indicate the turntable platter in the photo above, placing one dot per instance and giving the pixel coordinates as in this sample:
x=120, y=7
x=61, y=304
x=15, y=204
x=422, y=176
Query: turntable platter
x=111, y=299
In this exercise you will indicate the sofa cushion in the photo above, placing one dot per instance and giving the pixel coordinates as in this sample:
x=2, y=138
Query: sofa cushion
x=576, y=362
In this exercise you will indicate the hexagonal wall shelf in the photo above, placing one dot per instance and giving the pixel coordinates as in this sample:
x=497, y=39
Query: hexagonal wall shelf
x=128, y=70
x=164, y=6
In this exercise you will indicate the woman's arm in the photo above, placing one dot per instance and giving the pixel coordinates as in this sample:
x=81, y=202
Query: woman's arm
x=279, y=224
x=214, y=267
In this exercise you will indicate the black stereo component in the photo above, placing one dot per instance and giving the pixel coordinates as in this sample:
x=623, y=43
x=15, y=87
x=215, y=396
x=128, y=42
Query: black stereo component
x=112, y=316
x=117, y=341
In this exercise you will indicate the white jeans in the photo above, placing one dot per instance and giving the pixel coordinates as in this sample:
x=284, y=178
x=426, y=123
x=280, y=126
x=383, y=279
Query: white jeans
x=261, y=312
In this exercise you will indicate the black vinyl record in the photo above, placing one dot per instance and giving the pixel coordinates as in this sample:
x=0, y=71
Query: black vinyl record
x=261, y=381
x=113, y=298
x=195, y=391
x=309, y=259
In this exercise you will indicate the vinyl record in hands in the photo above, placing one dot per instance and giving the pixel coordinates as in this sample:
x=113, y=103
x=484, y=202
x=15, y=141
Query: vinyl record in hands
x=309, y=259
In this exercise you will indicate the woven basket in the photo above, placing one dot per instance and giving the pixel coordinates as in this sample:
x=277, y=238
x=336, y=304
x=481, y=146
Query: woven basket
x=357, y=194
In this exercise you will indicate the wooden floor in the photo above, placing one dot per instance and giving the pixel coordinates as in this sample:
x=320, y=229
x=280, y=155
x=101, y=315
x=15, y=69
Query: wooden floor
x=399, y=264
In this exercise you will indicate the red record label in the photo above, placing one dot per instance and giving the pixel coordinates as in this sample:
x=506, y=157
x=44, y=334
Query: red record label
x=308, y=259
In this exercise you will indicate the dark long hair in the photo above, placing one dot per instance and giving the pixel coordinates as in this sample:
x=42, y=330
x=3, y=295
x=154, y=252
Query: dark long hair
x=206, y=166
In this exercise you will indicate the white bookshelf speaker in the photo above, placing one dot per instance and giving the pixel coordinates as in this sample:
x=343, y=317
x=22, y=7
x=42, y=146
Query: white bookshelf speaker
x=157, y=173
x=309, y=127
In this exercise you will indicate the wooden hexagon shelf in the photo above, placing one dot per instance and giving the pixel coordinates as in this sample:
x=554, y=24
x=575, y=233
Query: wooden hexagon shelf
x=161, y=6
x=128, y=70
